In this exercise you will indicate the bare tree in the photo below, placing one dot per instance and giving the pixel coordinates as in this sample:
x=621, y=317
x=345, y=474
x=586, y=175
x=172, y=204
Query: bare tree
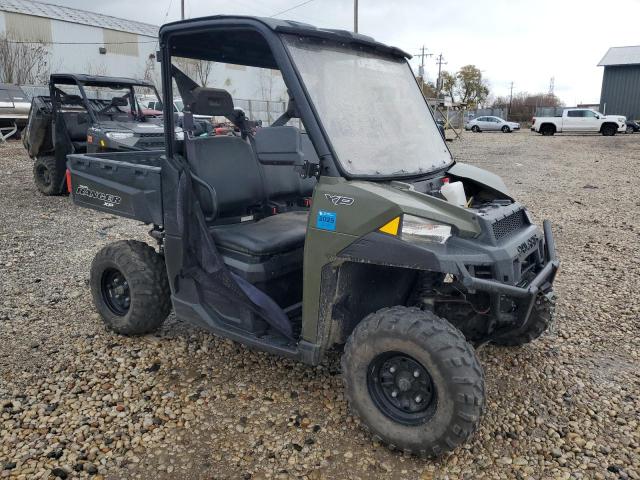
x=203, y=71
x=198, y=70
x=23, y=63
x=150, y=74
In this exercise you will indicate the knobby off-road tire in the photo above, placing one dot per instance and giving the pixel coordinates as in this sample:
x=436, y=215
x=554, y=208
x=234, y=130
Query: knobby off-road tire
x=130, y=287
x=47, y=176
x=541, y=320
x=433, y=350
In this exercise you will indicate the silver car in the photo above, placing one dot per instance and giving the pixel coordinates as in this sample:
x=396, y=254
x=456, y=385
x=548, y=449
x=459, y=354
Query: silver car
x=488, y=124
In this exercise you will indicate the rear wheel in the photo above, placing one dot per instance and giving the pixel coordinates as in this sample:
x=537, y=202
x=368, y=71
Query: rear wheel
x=475, y=129
x=130, y=288
x=547, y=130
x=413, y=380
x=609, y=130
x=47, y=176
x=506, y=129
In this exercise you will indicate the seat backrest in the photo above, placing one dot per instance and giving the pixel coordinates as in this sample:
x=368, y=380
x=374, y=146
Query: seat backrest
x=283, y=181
x=228, y=164
x=77, y=124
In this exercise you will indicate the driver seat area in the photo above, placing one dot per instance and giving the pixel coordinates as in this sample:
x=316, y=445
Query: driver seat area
x=232, y=189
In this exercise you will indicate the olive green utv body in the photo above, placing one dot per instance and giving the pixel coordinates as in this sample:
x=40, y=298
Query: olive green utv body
x=316, y=232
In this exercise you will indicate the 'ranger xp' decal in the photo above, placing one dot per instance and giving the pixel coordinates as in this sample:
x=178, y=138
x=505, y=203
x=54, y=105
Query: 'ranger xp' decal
x=326, y=220
x=339, y=199
x=108, y=199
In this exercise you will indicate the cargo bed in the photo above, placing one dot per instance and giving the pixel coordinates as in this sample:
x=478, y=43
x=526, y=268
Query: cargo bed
x=122, y=183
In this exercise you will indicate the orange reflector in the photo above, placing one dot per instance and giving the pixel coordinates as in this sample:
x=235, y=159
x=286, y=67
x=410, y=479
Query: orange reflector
x=391, y=227
x=68, y=180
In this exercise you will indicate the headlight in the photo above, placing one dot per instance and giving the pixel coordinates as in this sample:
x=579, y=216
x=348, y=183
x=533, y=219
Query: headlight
x=622, y=120
x=421, y=229
x=119, y=135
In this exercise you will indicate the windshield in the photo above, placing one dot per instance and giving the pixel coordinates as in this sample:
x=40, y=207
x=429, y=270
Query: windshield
x=371, y=108
x=117, y=103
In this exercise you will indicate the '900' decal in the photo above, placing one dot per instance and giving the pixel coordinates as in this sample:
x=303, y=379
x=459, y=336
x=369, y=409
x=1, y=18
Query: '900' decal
x=108, y=199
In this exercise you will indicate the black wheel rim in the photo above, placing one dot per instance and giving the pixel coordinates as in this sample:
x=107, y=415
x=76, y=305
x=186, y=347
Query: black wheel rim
x=43, y=175
x=115, y=291
x=402, y=388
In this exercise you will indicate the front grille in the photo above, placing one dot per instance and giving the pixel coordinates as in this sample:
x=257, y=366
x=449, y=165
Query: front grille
x=509, y=224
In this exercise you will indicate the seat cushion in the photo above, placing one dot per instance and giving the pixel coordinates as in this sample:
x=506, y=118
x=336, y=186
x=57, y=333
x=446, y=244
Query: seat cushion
x=276, y=234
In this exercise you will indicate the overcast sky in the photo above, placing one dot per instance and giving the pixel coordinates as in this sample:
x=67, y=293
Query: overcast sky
x=526, y=42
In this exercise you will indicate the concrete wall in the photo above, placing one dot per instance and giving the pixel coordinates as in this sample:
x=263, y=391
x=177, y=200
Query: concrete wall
x=129, y=60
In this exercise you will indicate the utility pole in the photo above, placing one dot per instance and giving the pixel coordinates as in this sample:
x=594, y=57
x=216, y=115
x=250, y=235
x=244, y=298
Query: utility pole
x=440, y=62
x=355, y=16
x=510, y=99
x=182, y=9
x=422, y=56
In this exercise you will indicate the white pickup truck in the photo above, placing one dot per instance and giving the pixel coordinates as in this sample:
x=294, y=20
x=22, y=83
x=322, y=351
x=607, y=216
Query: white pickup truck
x=578, y=120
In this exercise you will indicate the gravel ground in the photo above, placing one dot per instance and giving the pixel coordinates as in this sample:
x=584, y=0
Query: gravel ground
x=77, y=401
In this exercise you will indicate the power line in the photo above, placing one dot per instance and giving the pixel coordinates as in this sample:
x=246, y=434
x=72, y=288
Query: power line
x=292, y=8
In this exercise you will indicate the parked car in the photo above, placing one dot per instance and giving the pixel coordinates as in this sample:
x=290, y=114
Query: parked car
x=14, y=108
x=490, y=123
x=580, y=120
x=633, y=127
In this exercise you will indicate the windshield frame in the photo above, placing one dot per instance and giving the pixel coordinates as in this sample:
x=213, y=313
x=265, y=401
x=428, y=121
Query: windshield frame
x=336, y=159
x=133, y=97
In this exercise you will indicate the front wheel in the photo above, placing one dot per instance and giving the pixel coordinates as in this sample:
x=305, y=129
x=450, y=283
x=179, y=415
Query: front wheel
x=475, y=129
x=609, y=130
x=130, y=287
x=506, y=129
x=413, y=380
x=629, y=129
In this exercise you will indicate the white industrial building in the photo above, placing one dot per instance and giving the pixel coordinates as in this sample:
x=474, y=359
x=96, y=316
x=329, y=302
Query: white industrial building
x=79, y=41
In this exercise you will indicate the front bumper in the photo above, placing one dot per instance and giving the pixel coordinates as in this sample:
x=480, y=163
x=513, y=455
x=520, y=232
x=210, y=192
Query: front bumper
x=540, y=284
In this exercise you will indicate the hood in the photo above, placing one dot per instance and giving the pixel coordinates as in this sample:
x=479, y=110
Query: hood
x=616, y=118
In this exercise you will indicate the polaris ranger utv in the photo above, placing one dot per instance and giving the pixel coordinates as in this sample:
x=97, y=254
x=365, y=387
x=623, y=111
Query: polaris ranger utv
x=298, y=241
x=86, y=114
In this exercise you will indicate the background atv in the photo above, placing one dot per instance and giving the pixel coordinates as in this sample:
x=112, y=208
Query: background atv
x=378, y=261
x=83, y=114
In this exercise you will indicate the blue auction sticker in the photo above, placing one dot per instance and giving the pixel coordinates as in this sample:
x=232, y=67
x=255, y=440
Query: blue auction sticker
x=326, y=220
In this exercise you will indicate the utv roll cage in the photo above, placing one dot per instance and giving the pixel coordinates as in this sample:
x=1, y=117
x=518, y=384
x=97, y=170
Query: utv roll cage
x=82, y=81
x=255, y=42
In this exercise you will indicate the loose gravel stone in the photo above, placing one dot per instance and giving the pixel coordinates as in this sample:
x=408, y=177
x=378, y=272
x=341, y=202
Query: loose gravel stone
x=79, y=401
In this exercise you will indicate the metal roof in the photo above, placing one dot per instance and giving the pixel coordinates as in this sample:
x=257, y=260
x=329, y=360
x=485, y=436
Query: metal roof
x=621, y=56
x=83, y=17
